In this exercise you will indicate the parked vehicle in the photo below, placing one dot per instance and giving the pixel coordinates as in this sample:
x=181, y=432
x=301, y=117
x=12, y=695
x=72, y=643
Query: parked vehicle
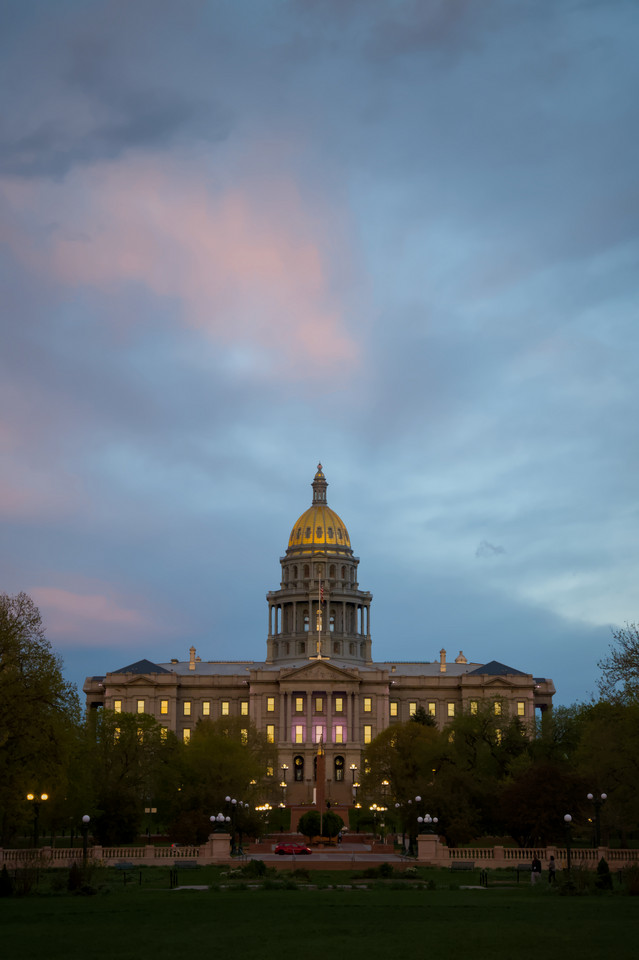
x=292, y=849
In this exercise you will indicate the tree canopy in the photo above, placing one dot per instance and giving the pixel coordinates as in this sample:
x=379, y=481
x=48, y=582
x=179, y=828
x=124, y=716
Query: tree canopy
x=620, y=669
x=39, y=712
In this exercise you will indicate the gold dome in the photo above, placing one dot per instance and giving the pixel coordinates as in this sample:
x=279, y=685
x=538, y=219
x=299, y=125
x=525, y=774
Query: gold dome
x=319, y=528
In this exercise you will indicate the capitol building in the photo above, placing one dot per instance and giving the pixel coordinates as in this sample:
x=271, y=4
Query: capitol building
x=319, y=681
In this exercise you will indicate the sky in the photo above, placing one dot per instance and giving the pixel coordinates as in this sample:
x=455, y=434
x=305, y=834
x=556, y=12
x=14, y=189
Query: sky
x=399, y=237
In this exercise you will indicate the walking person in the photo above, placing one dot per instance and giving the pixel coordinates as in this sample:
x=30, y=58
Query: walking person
x=535, y=870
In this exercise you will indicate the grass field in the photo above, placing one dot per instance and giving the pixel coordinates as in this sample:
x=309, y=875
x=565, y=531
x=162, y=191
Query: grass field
x=152, y=922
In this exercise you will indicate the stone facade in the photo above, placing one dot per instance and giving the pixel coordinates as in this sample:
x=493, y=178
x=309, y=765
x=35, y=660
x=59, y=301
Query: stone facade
x=318, y=680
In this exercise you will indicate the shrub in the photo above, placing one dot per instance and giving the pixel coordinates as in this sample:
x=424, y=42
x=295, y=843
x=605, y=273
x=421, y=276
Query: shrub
x=6, y=883
x=604, y=880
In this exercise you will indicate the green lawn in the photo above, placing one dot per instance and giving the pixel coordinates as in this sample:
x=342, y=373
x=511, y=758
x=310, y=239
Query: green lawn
x=151, y=921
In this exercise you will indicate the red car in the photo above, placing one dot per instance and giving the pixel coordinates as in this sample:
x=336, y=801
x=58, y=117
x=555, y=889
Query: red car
x=292, y=849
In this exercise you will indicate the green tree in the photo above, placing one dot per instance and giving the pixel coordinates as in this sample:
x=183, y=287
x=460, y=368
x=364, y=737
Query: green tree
x=227, y=757
x=39, y=713
x=405, y=756
x=620, y=669
x=126, y=759
x=420, y=716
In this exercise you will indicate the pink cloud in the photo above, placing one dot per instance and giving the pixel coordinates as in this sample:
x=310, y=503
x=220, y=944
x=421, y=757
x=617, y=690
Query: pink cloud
x=252, y=266
x=80, y=617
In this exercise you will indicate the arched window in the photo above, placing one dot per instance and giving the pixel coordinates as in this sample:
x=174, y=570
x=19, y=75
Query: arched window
x=295, y=572
x=298, y=769
x=319, y=569
x=339, y=768
x=331, y=571
x=307, y=571
x=301, y=647
x=343, y=573
x=306, y=621
x=331, y=622
x=337, y=647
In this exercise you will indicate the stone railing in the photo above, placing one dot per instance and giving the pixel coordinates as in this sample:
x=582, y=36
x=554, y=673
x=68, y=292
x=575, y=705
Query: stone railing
x=215, y=850
x=432, y=851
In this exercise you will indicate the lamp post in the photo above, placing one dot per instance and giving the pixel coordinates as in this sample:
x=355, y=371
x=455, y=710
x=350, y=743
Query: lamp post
x=220, y=823
x=86, y=819
x=36, y=801
x=568, y=821
x=597, y=802
x=353, y=769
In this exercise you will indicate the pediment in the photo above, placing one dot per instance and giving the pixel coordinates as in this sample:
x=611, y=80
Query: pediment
x=320, y=670
x=496, y=683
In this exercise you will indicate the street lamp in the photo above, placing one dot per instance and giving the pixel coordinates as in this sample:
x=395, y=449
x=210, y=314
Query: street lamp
x=353, y=769
x=36, y=801
x=597, y=802
x=284, y=771
x=568, y=821
x=86, y=819
x=220, y=823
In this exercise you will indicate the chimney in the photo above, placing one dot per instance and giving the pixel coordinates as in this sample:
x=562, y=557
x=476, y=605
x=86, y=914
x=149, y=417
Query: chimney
x=442, y=661
x=461, y=658
x=192, y=658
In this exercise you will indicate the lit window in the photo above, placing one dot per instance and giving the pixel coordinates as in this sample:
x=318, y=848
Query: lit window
x=473, y=706
x=497, y=706
x=164, y=731
x=140, y=706
x=368, y=733
x=319, y=734
x=521, y=708
x=164, y=706
x=368, y=704
x=206, y=708
x=186, y=736
x=244, y=708
x=270, y=732
x=412, y=708
x=270, y=704
x=299, y=704
x=187, y=708
x=319, y=704
x=339, y=705
x=225, y=708
x=117, y=706
x=431, y=709
x=339, y=734
x=299, y=734
x=244, y=735
x=451, y=709
x=393, y=708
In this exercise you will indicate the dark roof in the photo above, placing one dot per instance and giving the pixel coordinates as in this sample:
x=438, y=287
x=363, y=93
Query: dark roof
x=496, y=669
x=142, y=666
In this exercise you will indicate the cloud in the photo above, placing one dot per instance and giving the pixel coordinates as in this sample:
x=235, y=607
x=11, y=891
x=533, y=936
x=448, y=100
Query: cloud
x=251, y=266
x=486, y=549
x=76, y=618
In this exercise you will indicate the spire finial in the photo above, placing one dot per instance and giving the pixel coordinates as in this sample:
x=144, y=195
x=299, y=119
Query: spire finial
x=319, y=486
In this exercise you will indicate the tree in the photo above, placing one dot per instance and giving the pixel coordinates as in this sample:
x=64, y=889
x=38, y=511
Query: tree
x=420, y=716
x=620, y=669
x=226, y=757
x=39, y=712
x=313, y=824
x=127, y=764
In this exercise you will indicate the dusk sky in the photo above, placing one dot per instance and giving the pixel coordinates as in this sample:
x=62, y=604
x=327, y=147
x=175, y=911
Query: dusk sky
x=397, y=236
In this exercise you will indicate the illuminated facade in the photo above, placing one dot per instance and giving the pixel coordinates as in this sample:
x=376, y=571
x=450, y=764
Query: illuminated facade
x=318, y=681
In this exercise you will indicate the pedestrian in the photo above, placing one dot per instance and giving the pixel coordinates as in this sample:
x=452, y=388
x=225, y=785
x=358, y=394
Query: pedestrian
x=535, y=870
x=339, y=837
x=552, y=867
